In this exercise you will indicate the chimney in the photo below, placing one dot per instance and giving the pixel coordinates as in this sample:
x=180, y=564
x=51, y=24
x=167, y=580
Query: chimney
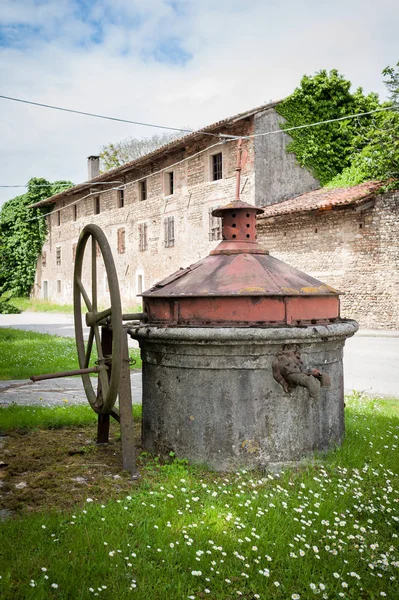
x=93, y=167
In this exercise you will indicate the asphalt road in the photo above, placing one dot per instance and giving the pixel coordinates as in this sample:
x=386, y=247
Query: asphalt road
x=371, y=358
x=371, y=363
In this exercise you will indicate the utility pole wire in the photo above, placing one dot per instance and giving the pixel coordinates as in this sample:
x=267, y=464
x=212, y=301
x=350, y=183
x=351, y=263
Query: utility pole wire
x=219, y=135
x=371, y=112
x=97, y=116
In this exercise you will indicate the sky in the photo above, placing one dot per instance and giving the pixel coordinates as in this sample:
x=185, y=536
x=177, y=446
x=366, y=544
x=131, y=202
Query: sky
x=181, y=63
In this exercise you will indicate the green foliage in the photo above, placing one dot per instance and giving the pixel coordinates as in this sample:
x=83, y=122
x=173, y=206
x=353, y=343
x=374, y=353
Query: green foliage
x=22, y=234
x=392, y=83
x=326, y=149
x=379, y=158
x=8, y=309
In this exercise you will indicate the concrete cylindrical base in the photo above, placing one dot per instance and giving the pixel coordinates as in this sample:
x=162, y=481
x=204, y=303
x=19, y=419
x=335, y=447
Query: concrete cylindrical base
x=210, y=396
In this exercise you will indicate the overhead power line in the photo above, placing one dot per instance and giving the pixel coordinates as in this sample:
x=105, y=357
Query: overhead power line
x=125, y=185
x=227, y=138
x=370, y=112
x=97, y=116
x=182, y=130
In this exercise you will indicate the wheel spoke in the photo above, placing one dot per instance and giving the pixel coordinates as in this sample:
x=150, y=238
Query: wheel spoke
x=102, y=375
x=98, y=343
x=94, y=272
x=104, y=383
x=84, y=294
x=89, y=348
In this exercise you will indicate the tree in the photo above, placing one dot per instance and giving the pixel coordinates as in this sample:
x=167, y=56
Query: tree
x=325, y=149
x=22, y=234
x=392, y=83
x=379, y=158
x=376, y=146
x=114, y=155
x=344, y=152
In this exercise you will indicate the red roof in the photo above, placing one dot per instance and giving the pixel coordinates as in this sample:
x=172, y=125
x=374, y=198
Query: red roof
x=323, y=199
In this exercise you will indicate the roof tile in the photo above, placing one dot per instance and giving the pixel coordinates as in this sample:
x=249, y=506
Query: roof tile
x=322, y=199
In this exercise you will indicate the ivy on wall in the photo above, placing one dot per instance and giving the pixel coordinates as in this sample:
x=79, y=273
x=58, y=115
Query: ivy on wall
x=358, y=148
x=22, y=234
x=378, y=159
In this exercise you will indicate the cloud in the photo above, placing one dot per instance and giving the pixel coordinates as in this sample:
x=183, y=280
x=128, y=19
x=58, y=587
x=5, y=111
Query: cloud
x=181, y=63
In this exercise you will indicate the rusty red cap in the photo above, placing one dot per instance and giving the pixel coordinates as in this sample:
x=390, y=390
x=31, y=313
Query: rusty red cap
x=240, y=284
x=238, y=229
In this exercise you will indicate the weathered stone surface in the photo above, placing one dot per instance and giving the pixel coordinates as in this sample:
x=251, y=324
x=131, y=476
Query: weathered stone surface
x=278, y=175
x=209, y=395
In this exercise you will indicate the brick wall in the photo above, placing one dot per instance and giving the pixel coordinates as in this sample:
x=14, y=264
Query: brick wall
x=194, y=195
x=355, y=252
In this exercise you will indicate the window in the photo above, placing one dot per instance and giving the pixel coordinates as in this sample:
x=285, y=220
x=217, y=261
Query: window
x=75, y=212
x=143, y=189
x=143, y=241
x=169, y=183
x=169, y=225
x=217, y=166
x=121, y=198
x=215, y=227
x=58, y=218
x=73, y=252
x=58, y=256
x=97, y=207
x=44, y=259
x=58, y=286
x=121, y=241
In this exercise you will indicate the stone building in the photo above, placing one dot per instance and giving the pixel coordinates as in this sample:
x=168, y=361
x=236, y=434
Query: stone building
x=156, y=210
x=348, y=238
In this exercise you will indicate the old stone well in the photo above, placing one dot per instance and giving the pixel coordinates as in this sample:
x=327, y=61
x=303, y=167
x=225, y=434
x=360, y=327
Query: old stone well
x=242, y=357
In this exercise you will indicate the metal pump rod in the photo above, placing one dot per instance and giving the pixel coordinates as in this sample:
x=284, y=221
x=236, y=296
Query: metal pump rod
x=64, y=374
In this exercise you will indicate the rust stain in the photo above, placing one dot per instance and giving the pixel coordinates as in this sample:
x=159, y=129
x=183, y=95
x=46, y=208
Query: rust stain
x=312, y=290
x=251, y=446
x=251, y=290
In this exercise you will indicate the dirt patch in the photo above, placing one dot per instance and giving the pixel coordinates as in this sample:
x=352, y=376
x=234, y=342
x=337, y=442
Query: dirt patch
x=60, y=468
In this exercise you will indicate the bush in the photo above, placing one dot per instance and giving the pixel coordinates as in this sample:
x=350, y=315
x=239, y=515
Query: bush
x=8, y=309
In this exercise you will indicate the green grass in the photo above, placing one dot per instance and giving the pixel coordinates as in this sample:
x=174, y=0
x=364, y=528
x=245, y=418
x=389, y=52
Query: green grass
x=35, y=417
x=37, y=305
x=183, y=532
x=26, y=353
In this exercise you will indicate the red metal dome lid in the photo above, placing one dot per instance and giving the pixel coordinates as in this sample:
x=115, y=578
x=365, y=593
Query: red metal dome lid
x=239, y=283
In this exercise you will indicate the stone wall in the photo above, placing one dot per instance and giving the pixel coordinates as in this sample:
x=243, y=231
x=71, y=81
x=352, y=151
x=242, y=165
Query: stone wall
x=355, y=251
x=278, y=175
x=195, y=194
